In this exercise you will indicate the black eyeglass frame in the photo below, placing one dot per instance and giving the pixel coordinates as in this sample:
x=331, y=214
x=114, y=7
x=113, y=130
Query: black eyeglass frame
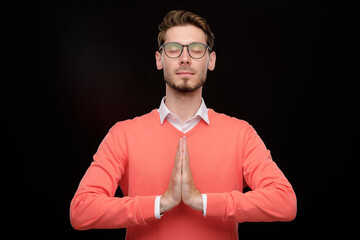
x=187, y=48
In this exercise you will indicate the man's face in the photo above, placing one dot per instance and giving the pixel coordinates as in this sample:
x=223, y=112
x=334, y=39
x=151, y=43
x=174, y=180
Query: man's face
x=185, y=74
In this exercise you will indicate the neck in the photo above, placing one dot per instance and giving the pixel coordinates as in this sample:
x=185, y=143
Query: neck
x=184, y=105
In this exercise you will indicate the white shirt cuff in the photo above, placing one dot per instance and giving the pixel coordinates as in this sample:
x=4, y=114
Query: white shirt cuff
x=157, y=207
x=204, y=198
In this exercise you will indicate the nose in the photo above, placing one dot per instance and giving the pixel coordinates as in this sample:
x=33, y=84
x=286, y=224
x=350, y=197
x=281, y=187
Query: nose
x=184, y=58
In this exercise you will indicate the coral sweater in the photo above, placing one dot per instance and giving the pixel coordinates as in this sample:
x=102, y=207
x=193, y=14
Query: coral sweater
x=225, y=156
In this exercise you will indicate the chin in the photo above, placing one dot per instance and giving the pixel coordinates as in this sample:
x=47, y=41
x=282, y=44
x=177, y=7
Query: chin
x=185, y=87
x=185, y=84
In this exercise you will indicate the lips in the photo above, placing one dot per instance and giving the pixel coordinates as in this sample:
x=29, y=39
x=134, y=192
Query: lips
x=184, y=73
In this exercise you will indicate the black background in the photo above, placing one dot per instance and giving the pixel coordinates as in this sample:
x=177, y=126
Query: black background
x=73, y=69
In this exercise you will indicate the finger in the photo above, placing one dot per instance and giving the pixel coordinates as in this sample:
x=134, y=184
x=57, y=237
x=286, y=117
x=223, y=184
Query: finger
x=178, y=150
x=186, y=148
x=178, y=158
x=183, y=145
x=186, y=151
x=181, y=152
x=185, y=156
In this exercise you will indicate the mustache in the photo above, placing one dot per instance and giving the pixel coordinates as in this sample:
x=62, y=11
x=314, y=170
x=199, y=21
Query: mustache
x=185, y=69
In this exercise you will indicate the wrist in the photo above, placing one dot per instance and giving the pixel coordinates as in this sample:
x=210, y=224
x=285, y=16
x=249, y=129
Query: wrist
x=197, y=203
x=166, y=204
x=162, y=205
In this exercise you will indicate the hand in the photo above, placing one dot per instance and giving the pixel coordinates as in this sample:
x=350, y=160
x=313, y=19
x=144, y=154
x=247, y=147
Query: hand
x=172, y=196
x=181, y=186
x=190, y=195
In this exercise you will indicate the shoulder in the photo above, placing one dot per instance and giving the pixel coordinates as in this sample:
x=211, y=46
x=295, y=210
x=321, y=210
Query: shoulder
x=232, y=126
x=227, y=121
x=137, y=123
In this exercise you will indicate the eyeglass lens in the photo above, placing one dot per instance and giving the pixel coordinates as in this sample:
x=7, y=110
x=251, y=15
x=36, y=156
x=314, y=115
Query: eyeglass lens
x=195, y=50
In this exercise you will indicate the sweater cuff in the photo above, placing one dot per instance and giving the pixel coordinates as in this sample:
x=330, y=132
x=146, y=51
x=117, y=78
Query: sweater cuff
x=216, y=206
x=147, y=207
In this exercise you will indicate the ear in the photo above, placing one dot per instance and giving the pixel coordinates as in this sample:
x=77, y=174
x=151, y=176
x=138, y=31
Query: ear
x=159, y=64
x=212, y=60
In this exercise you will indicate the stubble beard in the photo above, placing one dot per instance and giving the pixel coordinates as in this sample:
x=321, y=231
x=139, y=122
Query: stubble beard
x=184, y=86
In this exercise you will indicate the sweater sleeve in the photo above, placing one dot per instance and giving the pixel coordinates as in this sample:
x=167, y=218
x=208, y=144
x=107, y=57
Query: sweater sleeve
x=272, y=197
x=94, y=204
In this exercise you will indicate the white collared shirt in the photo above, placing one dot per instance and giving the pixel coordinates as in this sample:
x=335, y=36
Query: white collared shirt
x=165, y=113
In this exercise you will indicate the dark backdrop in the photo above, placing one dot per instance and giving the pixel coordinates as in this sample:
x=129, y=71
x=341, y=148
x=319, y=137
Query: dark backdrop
x=75, y=69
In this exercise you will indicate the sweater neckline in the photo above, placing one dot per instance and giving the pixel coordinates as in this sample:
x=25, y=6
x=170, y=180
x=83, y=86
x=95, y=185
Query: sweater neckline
x=167, y=124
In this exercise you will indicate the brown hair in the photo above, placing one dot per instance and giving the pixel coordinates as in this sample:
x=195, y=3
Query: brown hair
x=182, y=18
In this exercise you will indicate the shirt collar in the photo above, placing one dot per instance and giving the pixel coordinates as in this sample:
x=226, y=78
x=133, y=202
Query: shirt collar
x=202, y=111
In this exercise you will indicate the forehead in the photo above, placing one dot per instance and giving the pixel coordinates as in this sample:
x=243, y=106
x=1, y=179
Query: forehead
x=185, y=34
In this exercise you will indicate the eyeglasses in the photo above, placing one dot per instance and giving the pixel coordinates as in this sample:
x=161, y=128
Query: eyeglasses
x=174, y=50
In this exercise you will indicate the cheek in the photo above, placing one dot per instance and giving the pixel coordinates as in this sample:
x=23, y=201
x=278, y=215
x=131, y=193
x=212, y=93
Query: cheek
x=203, y=70
x=167, y=71
x=203, y=73
x=168, y=68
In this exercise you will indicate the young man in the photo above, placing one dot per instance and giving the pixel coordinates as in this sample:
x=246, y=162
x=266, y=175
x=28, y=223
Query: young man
x=182, y=167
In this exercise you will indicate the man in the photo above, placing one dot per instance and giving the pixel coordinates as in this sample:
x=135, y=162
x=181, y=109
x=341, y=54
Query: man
x=182, y=167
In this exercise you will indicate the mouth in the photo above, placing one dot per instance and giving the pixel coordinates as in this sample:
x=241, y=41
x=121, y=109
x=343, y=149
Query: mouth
x=185, y=73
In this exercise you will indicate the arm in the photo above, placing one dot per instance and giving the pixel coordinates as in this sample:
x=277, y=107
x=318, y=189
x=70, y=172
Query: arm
x=94, y=204
x=272, y=198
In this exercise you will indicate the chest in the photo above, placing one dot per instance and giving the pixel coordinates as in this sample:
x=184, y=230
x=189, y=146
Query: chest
x=215, y=163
